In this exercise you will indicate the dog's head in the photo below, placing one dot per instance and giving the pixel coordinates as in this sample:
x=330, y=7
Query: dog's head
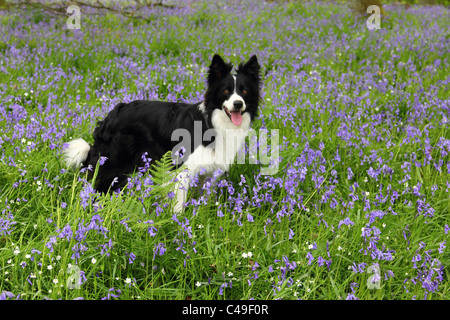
x=232, y=99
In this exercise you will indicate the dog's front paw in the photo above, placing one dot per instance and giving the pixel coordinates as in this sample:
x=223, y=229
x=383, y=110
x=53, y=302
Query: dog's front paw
x=178, y=208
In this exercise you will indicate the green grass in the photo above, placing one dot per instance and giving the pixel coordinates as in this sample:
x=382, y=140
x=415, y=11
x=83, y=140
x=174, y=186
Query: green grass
x=84, y=74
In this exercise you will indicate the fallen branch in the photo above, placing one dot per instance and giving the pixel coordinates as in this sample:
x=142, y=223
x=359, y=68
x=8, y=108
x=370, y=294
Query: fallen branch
x=131, y=9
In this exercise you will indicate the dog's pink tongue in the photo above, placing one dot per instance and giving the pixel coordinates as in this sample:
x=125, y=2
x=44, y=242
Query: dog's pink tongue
x=236, y=118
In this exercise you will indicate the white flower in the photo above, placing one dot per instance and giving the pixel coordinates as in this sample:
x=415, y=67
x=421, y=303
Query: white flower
x=16, y=252
x=244, y=255
x=49, y=267
x=93, y=261
x=55, y=281
x=249, y=254
x=198, y=284
x=230, y=274
x=27, y=256
x=128, y=280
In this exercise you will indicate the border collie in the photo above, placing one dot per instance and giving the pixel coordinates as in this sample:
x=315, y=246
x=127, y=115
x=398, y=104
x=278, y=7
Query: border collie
x=132, y=129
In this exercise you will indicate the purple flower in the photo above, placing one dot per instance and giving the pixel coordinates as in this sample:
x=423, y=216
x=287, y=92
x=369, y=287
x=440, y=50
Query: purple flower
x=224, y=285
x=102, y=160
x=50, y=243
x=86, y=193
x=346, y=221
x=6, y=294
x=320, y=261
x=6, y=224
x=66, y=232
x=373, y=173
x=351, y=296
x=291, y=234
x=349, y=173
x=112, y=295
x=159, y=249
x=442, y=247
x=310, y=257
x=152, y=231
x=131, y=257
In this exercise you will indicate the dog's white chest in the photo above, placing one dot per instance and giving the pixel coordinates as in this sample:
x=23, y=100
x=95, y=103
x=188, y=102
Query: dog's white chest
x=229, y=139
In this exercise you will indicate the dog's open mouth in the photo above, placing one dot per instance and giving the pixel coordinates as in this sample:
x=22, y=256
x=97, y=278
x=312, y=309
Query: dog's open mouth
x=235, y=116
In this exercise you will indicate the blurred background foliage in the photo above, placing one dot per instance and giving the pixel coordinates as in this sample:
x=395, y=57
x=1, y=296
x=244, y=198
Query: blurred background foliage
x=359, y=6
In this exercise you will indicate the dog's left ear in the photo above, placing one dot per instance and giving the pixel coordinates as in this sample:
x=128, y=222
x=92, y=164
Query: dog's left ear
x=251, y=67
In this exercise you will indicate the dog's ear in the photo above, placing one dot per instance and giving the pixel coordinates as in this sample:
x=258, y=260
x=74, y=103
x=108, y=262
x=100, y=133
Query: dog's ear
x=218, y=69
x=251, y=68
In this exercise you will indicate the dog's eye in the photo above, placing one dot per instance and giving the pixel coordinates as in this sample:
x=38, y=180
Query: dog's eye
x=227, y=92
x=244, y=91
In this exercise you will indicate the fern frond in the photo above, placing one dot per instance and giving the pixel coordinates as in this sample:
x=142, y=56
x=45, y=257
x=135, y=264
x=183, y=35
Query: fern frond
x=161, y=171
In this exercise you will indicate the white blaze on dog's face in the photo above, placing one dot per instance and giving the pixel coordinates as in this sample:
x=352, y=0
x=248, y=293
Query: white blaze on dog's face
x=234, y=106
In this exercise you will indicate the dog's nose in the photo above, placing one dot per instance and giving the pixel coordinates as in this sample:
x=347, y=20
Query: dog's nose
x=238, y=104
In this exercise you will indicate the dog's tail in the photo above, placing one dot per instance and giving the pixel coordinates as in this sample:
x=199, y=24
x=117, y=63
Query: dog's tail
x=76, y=152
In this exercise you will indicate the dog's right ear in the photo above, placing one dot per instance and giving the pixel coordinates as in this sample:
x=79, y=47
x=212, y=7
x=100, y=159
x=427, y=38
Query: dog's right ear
x=218, y=69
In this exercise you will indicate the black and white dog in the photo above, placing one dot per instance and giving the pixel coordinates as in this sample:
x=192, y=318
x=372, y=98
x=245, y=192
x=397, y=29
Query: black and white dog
x=131, y=129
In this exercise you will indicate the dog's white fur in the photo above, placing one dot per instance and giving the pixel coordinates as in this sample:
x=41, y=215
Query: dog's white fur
x=76, y=152
x=229, y=140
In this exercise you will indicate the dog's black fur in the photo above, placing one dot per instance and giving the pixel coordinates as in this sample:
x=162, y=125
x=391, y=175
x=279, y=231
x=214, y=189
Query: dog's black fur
x=131, y=129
